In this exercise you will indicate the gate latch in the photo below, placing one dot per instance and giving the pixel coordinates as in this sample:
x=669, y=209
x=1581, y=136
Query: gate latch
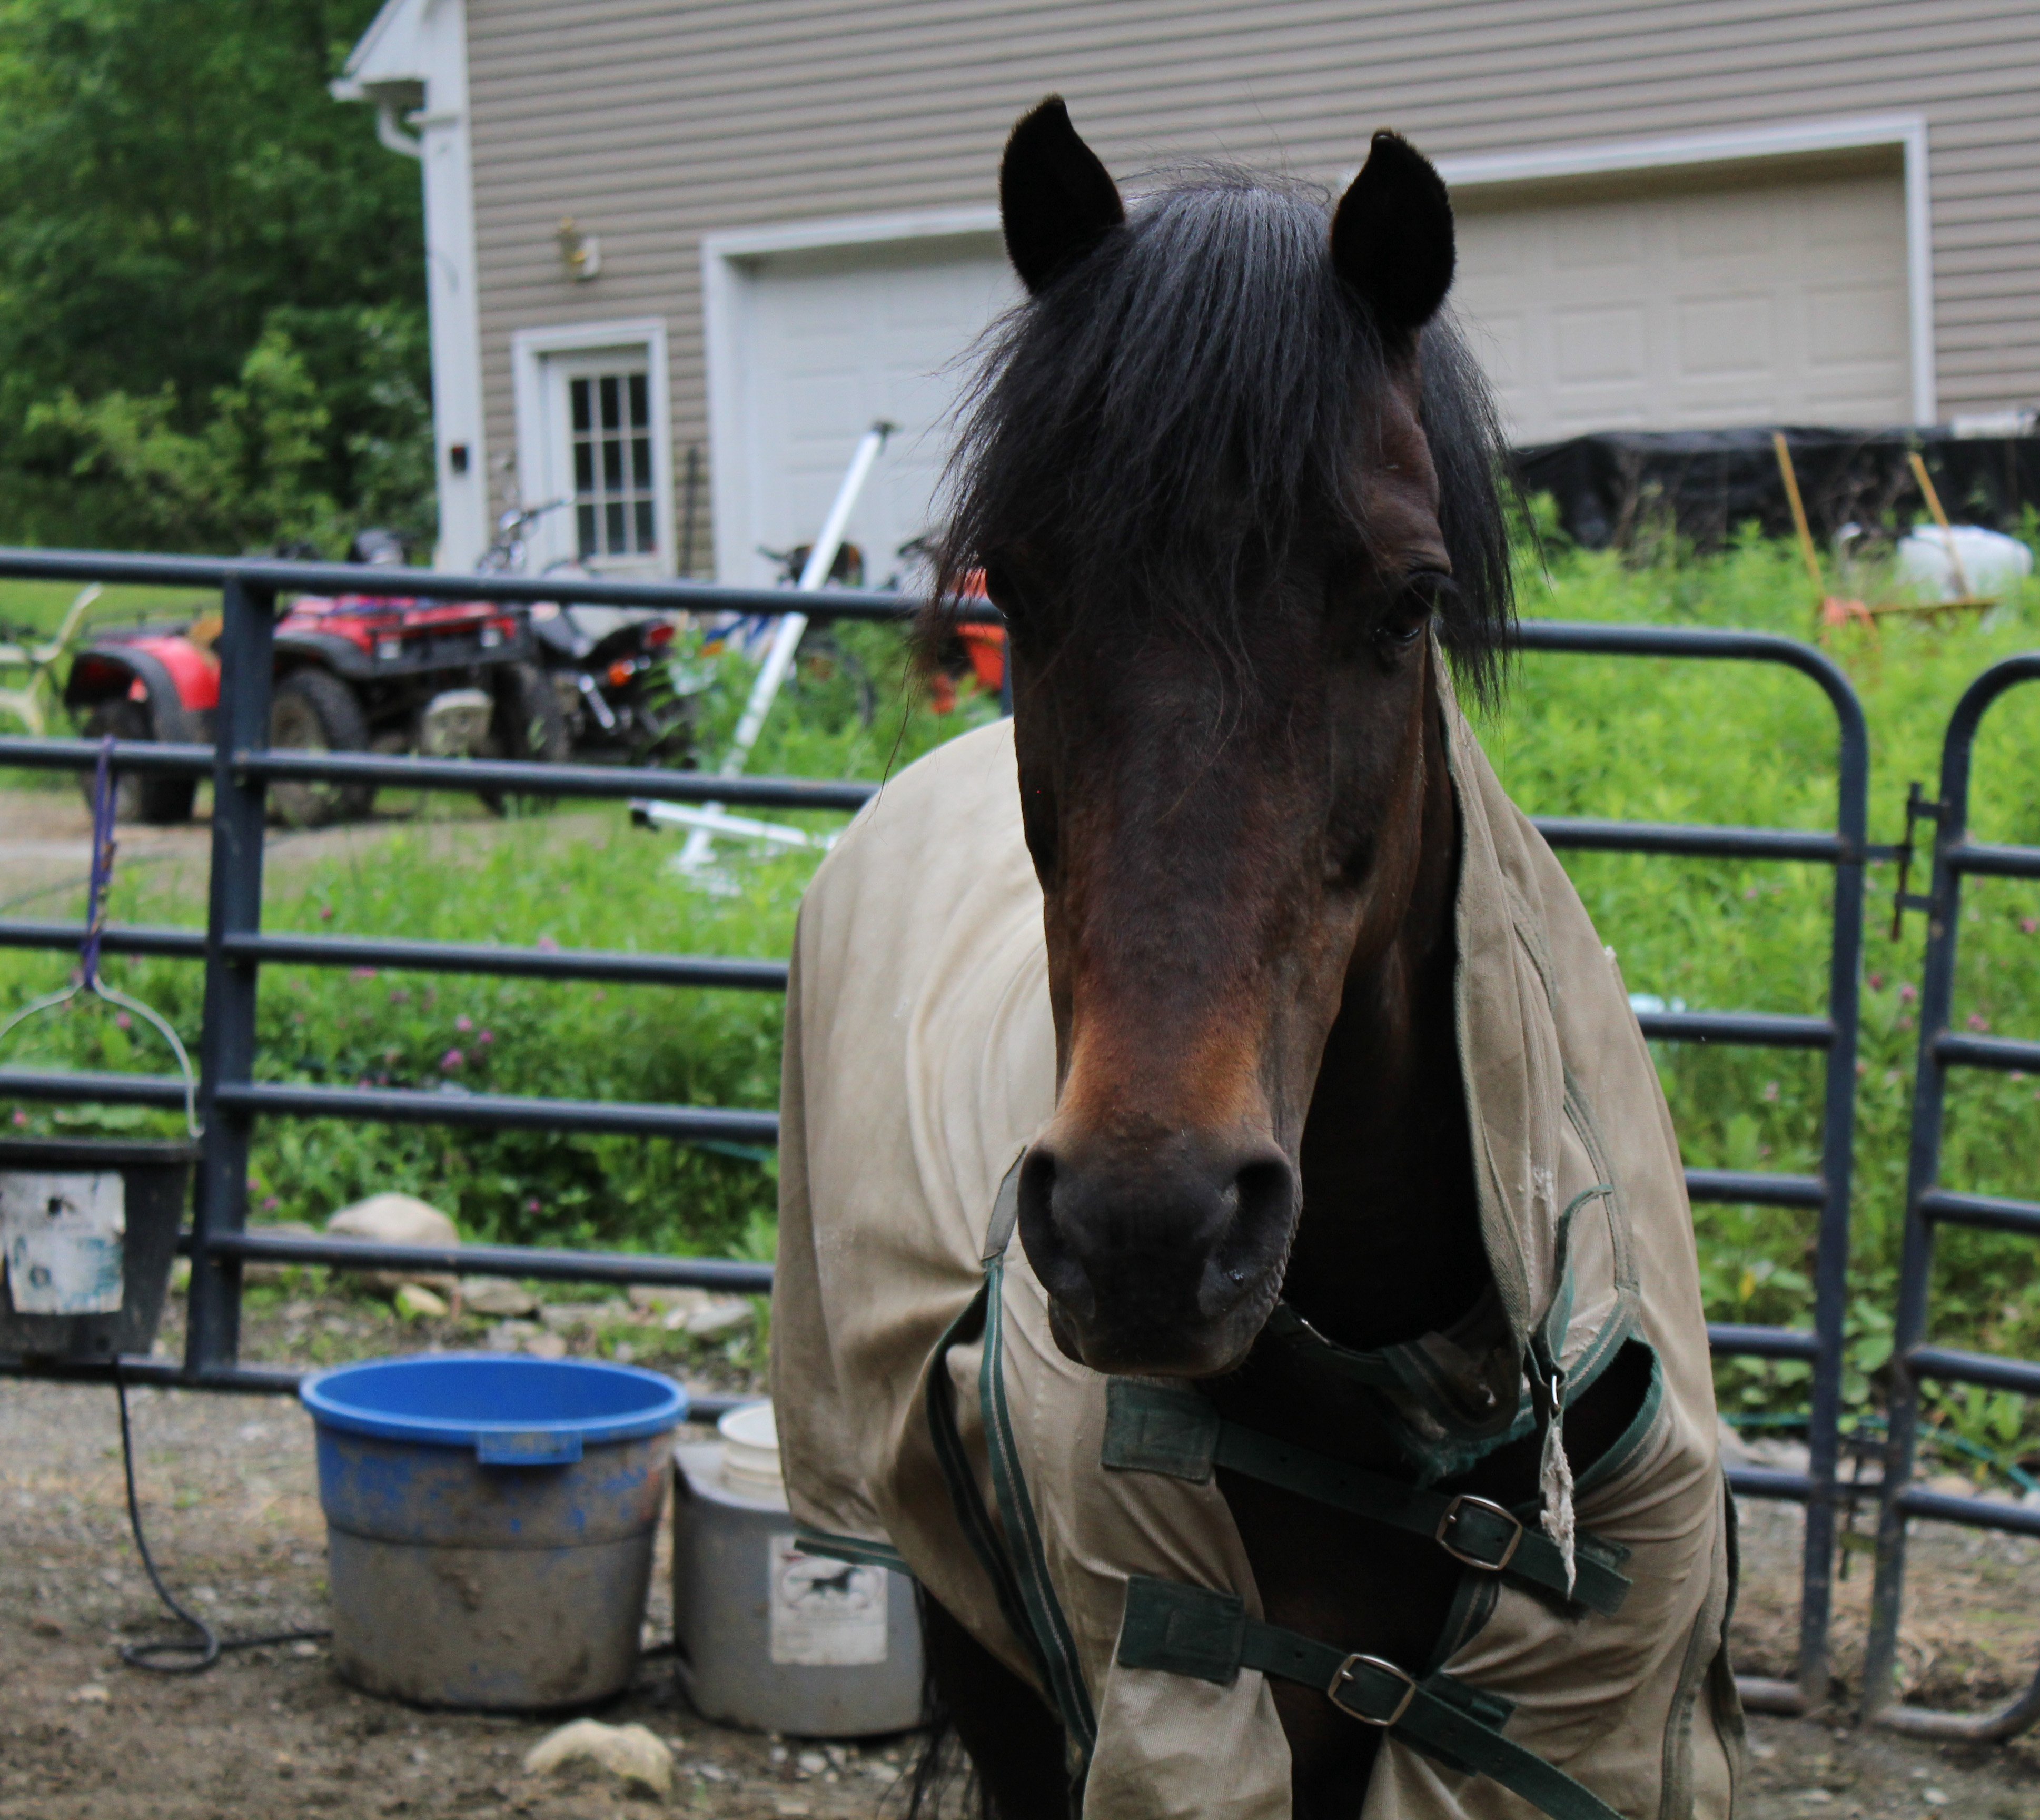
x=1918, y=808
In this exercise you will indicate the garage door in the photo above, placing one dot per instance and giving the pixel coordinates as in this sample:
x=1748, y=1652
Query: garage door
x=824, y=344
x=1687, y=304
x=1690, y=306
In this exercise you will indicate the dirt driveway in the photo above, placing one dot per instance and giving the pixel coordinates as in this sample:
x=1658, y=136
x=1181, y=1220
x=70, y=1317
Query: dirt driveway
x=46, y=842
x=228, y=1489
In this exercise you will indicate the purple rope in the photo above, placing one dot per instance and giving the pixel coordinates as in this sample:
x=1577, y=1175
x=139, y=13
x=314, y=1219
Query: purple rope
x=102, y=864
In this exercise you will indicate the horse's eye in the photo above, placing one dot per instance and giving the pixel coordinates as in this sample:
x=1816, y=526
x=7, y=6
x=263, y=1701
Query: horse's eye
x=999, y=586
x=1420, y=599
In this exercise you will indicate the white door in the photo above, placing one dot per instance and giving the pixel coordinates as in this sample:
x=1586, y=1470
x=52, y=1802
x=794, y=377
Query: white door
x=1684, y=305
x=822, y=345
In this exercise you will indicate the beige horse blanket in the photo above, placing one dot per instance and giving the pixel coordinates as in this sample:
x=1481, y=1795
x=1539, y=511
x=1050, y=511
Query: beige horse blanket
x=919, y=1063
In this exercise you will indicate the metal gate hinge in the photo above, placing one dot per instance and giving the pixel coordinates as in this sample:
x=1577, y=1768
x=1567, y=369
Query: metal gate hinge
x=1918, y=808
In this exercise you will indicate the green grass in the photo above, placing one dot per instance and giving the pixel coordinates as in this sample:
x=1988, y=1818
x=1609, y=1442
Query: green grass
x=38, y=606
x=1662, y=740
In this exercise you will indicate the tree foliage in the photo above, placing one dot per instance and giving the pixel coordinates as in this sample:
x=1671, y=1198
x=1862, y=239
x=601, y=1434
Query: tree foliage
x=211, y=279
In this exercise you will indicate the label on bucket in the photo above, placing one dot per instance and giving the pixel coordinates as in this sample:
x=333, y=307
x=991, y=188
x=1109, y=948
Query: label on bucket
x=825, y=1613
x=61, y=1237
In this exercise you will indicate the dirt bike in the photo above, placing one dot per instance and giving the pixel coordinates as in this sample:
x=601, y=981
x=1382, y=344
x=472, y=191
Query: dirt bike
x=608, y=666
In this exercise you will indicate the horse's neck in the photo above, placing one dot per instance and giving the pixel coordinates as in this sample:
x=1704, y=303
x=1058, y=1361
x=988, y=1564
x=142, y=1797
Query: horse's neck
x=1389, y=1244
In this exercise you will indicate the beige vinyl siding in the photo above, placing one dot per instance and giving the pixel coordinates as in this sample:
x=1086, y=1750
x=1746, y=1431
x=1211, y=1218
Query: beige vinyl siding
x=654, y=123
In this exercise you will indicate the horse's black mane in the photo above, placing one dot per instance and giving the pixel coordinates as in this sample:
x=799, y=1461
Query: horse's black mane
x=1174, y=412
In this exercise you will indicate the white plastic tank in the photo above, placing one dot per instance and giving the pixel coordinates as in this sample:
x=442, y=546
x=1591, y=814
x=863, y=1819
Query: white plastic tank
x=771, y=1636
x=1933, y=564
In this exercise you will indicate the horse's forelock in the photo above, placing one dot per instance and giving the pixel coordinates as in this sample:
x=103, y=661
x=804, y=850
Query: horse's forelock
x=1177, y=409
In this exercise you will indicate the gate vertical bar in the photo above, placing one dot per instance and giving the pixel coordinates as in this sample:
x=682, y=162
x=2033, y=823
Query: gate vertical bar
x=227, y=1044
x=1832, y=1243
x=1923, y=1169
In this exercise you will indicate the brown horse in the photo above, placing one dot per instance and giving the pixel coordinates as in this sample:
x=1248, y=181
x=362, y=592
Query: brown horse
x=1233, y=482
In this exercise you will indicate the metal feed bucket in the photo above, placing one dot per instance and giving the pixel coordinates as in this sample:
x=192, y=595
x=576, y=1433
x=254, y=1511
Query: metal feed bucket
x=489, y=1521
x=88, y=1232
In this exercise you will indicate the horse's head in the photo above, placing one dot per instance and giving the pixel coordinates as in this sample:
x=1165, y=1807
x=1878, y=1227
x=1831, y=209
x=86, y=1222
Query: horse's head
x=1227, y=477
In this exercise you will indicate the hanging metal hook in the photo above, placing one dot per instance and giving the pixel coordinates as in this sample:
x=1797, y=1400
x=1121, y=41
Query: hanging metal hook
x=87, y=979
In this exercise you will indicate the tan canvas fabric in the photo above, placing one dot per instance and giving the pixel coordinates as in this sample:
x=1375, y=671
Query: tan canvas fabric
x=920, y=1062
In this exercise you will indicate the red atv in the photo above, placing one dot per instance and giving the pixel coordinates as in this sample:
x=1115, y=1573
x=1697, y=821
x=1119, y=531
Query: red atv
x=359, y=673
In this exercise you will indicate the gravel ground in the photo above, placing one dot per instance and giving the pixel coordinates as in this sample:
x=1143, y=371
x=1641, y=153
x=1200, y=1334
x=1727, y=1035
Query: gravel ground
x=228, y=1492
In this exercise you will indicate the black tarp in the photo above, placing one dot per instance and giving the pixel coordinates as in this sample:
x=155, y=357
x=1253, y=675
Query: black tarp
x=1626, y=484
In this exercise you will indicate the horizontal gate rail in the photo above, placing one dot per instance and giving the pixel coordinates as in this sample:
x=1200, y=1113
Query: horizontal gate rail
x=233, y=947
x=1759, y=1030
x=273, y=575
x=511, y=777
x=612, y=967
x=733, y=1275
x=1928, y=1204
x=1985, y=1052
x=1703, y=841
x=1991, y=1211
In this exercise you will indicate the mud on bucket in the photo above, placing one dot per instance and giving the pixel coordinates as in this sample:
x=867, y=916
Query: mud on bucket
x=489, y=1523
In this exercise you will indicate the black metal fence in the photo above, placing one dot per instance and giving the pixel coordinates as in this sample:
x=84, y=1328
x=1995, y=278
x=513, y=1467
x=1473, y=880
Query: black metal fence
x=233, y=947
x=1928, y=1204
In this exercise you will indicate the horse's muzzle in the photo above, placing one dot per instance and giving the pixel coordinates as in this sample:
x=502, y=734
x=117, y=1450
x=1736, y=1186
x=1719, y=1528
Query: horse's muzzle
x=1161, y=1258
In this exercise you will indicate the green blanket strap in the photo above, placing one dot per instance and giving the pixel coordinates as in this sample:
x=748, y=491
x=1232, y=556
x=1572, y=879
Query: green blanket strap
x=1010, y=1548
x=1193, y=1631
x=973, y=1517
x=1170, y=1429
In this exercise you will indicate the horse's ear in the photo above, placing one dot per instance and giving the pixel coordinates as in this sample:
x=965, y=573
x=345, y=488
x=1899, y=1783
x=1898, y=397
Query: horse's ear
x=1055, y=200
x=1392, y=235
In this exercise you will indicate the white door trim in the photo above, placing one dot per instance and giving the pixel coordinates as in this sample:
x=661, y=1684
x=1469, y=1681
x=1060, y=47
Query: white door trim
x=553, y=537
x=730, y=263
x=728, y=259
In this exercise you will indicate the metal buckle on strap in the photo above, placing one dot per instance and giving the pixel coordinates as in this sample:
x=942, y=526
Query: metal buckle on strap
x=1346, y=1677
x=1466, y=1501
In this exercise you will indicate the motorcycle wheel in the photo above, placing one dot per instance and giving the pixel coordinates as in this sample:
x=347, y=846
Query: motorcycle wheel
x=313, y=711
x=160, y=802
x=527, y=724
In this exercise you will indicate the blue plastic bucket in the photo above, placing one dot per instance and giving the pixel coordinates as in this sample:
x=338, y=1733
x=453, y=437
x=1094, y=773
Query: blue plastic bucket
x=489, y=1523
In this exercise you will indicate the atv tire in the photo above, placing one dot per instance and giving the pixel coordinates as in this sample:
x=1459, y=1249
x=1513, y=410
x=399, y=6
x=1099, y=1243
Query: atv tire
x=313, y=711
x=161, y=801
x=528, y=724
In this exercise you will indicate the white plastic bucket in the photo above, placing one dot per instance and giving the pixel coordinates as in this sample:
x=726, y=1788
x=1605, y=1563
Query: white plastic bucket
x=750, y=1452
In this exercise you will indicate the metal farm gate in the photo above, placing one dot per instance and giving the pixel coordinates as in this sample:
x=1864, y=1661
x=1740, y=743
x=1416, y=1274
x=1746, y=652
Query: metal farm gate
x=1826, y=1194
x=233, y=948
x=1916, y=1359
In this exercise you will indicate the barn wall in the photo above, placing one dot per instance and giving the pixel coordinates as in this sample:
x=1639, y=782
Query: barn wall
x=652, y=123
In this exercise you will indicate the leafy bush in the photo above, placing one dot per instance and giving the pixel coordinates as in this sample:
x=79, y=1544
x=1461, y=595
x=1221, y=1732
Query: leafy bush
x=210, y=273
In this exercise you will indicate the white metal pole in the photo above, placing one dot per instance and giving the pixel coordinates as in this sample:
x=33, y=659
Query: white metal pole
x=786, y=639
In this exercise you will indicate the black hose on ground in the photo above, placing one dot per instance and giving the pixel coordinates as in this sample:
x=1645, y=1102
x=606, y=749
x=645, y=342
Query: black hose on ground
x=178, y=1655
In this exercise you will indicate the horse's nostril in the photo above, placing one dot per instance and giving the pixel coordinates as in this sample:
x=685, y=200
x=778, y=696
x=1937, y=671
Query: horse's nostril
x=1263, y=1197
x=1049, y=1247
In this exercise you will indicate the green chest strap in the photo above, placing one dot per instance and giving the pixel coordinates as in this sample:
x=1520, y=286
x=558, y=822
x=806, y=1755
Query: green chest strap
x=1192, y=1630
x=1170, y=1429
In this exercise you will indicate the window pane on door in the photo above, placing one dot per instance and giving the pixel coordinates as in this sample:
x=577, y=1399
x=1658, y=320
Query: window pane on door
x=610, y=418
